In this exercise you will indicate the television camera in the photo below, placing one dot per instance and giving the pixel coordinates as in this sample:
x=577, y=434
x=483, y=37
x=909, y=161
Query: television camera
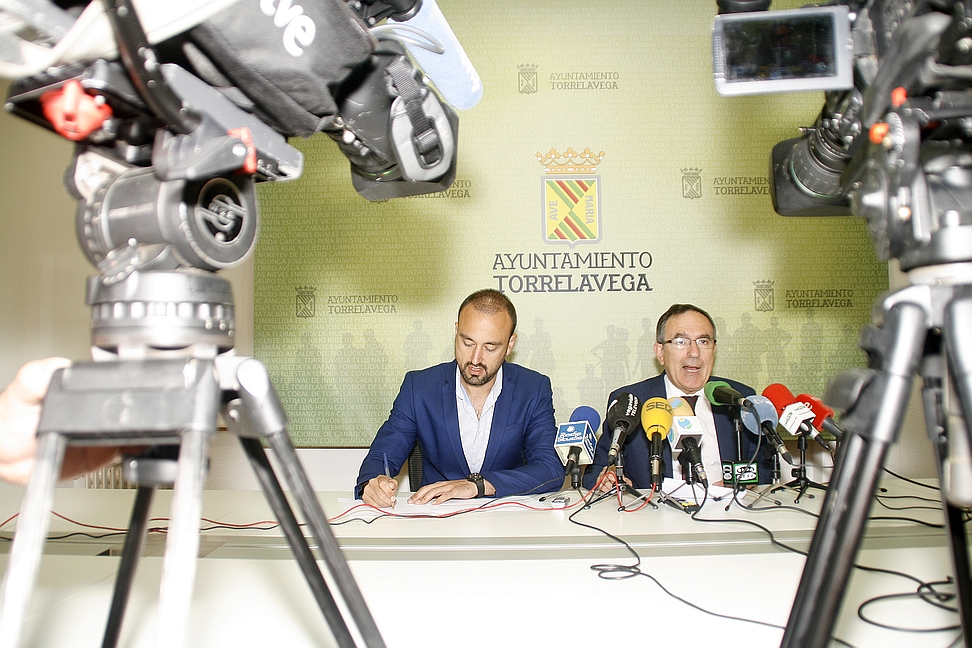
x=893, y=147
x=178, y=109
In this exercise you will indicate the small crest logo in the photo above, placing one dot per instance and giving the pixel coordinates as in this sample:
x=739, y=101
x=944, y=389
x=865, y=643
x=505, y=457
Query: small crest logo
x=305, y=301
x=691, y=183
x=764, y=294
x=570, y=196
x=529, y=83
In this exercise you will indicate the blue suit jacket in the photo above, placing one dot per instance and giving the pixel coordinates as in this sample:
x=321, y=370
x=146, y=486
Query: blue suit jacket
x=520, y=457
x=637, y=450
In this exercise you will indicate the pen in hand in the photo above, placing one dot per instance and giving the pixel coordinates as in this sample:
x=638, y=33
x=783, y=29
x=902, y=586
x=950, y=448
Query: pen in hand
x=384, y=456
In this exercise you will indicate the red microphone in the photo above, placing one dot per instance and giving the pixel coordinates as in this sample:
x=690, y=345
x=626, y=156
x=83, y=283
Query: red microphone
x=823, y=416
x=796, y=417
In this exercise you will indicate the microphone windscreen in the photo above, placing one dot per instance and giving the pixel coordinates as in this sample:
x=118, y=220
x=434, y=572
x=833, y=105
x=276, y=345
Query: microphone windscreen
x=762, y=410
x=710, y=390
x=622, y=411
x=680, y=407
x=589, y=414
x=779, y=395
x=820, y=411
x=656, y=416
x=691, y=444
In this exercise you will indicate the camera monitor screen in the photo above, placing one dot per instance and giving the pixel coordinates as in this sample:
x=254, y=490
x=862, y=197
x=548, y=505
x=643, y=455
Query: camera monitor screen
x=782, y=51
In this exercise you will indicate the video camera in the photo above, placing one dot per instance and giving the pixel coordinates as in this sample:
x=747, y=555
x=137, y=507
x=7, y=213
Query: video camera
x=179, y=107
x=892, y=142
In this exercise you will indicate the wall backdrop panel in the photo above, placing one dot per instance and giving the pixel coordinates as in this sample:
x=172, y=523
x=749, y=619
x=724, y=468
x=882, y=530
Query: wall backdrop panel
x=669, y=202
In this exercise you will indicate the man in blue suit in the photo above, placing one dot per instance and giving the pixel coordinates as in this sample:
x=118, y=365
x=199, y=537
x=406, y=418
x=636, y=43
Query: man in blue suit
x=685, y=345
x=485, y=427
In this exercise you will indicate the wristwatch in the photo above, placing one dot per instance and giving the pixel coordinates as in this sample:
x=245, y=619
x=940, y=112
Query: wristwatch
x=477, y=479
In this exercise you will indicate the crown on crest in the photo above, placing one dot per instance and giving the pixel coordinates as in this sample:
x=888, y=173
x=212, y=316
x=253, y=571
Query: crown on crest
x=570, y=161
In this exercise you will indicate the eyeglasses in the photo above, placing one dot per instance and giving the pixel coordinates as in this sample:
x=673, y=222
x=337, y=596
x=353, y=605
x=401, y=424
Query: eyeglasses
x=681, y=343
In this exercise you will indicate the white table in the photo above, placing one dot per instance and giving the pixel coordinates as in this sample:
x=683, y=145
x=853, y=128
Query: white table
x=506, y=577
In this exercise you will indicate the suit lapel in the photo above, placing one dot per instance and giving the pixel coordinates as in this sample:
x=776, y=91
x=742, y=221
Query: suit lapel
x=725, y=432
x=450, y=414
x=501, y=415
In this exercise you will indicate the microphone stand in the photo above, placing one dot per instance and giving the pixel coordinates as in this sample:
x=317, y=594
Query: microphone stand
x=778, y=476
x=619, y=485
x=801, y=483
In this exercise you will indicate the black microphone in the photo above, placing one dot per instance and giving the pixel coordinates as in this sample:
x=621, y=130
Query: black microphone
x=720, y=393
x=693, y=455
x=621, y=418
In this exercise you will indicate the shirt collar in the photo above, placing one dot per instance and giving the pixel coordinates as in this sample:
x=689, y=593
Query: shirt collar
x=494, y=391
x=672, y=390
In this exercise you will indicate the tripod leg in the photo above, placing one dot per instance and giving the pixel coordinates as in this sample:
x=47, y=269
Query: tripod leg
x=871, y=426
x=134, y=541
x=956, y=492
x=259, y=411
x=298, y=544
x=28, y=545
x=331, y=550
x=182, y=544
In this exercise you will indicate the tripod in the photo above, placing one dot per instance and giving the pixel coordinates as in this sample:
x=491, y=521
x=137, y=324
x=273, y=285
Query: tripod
x=922, y=329
x=620, y=486
x=166, y=400
x=158, y=223
x=801, y=483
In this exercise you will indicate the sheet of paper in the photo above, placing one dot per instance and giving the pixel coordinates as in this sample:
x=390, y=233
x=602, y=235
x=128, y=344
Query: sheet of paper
x=403, y=508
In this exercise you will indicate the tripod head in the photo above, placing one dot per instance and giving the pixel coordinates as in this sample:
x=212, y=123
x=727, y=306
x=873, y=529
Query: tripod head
x=183, y=110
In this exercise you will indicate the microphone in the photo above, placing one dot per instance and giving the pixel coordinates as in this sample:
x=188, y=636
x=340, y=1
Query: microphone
x=680, y=406
x=621, y=418
x=693, y=456
x=575, y=441
x=795, y=417
x=656, y=419
x=823, y=416
x=761, y=418
x=437, y=51
x=685, y=424
x=720, y=393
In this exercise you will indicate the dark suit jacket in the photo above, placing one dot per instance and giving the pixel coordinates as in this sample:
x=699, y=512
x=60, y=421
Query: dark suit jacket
x=520, y=457
x=637, y=450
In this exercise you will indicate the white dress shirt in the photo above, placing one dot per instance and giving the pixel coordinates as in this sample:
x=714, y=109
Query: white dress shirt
x=473, y=429
x=711, y=459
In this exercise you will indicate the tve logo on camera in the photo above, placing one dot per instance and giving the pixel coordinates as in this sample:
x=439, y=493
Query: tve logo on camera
x=299, y=29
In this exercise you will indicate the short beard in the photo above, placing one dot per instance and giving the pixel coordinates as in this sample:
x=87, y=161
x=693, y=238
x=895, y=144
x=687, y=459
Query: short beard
x=476, y=382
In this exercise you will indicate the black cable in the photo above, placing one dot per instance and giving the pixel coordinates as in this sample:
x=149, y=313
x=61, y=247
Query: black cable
x=773, y=540
x=907, y=519
x=910, y=481
x=620, y=572
x=905, y=595
x=880, y=501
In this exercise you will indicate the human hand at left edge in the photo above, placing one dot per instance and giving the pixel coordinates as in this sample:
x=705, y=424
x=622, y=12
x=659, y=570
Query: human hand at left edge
x=20, y=408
